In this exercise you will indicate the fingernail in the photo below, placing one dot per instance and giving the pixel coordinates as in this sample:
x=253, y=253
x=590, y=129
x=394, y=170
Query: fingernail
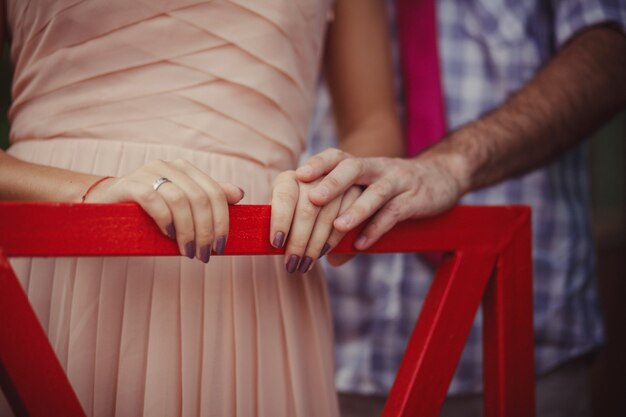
x=292, y=264
x=321, y=191
x=220, y=245
x=344, y=220
x=360, y=242
x=279, y=240
x=243, y=193
x=171, y=231
x=205, y=253
x=305, y=264
x=325, y=249
x=305, y=170
x=190, y=249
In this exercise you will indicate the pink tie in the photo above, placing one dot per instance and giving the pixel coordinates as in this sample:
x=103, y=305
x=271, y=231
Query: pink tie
x=417, y=33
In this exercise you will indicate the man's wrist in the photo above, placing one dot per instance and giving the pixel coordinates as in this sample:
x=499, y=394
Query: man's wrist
x=454, y=157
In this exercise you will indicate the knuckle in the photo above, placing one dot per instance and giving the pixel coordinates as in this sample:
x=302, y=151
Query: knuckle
x=146, y=195
x=393, y=210
x=338, y=153
x=357, y=164
x=381, y=188
x=316, y=159
x=281, y=221
x=284, y=177
x=285, y=197
x=297, y=244
x=332, y=182
x=199, y=198
x=325, y=218
x=178, y=198
x=216, y=195
x=204, y=235
x=185, y=233
x=220, y=225
x=308, y=211
x=360, y=211
x=159, y=165
x=353, y=193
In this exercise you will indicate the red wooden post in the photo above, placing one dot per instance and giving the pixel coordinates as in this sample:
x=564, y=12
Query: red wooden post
x=29, y=369
x=508, y=329
x=439, y=335
x=480, y=237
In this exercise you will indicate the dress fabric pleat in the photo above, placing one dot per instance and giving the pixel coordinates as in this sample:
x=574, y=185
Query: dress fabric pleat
x=106, y=86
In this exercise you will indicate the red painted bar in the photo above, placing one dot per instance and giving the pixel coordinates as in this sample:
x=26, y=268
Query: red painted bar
x=30, y=374
x=509, y=370
x=439, y=335
x=59, y=229
x=37, y=385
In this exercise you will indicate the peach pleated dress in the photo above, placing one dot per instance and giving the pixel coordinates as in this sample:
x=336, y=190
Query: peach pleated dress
x=105, y=86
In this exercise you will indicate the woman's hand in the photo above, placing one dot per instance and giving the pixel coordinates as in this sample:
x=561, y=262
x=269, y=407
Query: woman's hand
x=190, y=206
x=306, y=229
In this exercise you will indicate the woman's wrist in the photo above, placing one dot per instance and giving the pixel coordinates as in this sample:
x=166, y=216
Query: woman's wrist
x=93, y=185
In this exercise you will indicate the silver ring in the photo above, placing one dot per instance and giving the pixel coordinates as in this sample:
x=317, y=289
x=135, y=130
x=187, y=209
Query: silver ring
x=159, y=182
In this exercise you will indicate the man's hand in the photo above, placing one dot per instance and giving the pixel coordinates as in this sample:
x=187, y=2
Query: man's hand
x=397, y=189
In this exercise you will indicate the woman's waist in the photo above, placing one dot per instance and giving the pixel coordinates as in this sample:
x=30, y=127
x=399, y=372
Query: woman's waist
x=140, y=152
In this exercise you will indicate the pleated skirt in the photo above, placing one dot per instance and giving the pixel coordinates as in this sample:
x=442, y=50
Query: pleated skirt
x=170, y=336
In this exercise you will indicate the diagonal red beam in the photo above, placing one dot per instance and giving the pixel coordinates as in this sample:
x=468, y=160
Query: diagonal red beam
x=439, y=335
x=30, y=374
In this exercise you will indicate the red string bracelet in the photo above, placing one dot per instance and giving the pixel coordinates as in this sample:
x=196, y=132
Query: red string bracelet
x=92, y=186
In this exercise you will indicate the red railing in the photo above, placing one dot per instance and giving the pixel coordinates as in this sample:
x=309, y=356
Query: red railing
x=489, y=261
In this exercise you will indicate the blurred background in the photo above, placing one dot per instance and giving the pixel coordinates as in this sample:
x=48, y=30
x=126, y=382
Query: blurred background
x=608, y=186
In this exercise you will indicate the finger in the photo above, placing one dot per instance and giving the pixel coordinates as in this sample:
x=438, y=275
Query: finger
x=320, y=164
x=178, y=204
x=304, y=219
x=372, y=199
x=233, y=193
x=335, y=236
x=387, y=217
x=210, y=209
x=345, y=175
x=348, y=199
x=319, y=239
x=285, y=196
x=150, y=201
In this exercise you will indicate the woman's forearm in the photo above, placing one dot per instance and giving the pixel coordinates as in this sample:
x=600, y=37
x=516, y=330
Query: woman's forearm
x=360, y=77
x=26, y=181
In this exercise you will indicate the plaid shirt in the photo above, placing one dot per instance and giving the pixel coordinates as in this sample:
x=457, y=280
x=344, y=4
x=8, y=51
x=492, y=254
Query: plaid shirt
x=488, y=49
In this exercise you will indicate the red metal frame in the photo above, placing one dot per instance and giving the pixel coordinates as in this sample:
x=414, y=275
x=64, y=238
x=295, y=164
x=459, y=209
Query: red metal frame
x=490, y=261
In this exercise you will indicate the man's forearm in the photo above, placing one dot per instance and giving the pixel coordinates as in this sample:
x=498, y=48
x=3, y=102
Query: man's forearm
x=574, y=94
x=577, y=91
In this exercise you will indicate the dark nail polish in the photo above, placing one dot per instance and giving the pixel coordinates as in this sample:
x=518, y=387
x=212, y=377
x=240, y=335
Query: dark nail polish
x=279, y=240
x=292, y=263
x=243, y=193
x=325, y=249
x=205, y=253
x=305, y=264
x=220, y=245
x=190, y=249
x=171, y=231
